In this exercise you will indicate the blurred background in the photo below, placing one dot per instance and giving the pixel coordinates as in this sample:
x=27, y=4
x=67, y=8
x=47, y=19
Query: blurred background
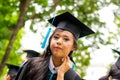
x=23, y=25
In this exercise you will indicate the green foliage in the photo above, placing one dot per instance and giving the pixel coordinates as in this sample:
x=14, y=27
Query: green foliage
x=8, y=13
x=41, y=10
x=5, y=33
x=82, y=58
x=4, y=73
x=3, y=45
x=43, y=3
x=15, y=56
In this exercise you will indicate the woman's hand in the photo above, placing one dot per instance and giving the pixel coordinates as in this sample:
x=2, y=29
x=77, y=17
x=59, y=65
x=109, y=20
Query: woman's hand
x=66, y=65
x=7, y=77
x=110, y=78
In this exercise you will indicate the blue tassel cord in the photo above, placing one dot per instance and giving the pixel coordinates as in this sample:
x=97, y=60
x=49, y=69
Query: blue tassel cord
x=45, y=39
x=73, y=67
x=47, y=35
x=51, y=75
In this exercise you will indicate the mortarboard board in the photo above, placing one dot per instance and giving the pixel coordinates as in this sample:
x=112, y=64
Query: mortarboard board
x=13, y=69
x=118, y=61
x=31, y=53
x=68, y=22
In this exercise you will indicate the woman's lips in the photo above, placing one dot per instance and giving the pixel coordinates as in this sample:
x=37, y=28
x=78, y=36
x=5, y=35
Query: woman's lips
x=57, y=48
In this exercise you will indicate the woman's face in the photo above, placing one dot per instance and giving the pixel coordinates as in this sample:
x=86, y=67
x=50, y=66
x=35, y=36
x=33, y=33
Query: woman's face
x=62, y=42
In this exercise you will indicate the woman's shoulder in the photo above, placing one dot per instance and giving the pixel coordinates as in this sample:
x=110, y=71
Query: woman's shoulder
x=71, y=72
x=72, y=75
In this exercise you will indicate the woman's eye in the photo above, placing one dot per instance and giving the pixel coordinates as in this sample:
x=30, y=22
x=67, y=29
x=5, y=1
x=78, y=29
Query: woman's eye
x=66, y=39
x=55, y=37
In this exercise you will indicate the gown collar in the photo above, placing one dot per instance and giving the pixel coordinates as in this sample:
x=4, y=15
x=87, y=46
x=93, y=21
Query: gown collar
x=52, y=68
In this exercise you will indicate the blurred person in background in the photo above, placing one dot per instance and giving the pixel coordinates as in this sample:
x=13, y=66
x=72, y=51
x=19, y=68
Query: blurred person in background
x=12, y=72
x=114, y=72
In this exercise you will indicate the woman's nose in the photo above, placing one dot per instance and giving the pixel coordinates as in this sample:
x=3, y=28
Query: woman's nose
x=59, y=41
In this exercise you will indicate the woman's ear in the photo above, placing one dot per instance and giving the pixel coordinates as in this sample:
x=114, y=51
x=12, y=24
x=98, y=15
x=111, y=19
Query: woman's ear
x=74, y=48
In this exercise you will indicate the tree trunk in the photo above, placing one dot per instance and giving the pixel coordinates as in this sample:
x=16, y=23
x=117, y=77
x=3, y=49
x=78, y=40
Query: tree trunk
x=24, y=4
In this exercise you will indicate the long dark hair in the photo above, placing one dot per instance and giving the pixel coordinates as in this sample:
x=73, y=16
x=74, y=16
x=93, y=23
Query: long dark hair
x=39, y=66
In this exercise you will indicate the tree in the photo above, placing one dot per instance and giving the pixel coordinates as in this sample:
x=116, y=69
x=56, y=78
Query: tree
x=15, y=13
x=24, y=4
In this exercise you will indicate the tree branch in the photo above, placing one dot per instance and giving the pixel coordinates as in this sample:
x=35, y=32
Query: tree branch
x=24, y=4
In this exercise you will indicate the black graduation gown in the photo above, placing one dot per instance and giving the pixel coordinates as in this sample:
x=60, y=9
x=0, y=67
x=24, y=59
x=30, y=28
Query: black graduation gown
x=69, y=75
x=23, y=69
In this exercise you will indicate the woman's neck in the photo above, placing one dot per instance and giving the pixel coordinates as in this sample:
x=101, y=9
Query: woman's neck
x=57, y=61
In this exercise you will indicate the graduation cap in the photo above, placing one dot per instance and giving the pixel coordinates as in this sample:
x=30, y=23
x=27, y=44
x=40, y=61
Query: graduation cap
x=68, y=22
x=118, y=61
x=31, y=53
x=13, y=69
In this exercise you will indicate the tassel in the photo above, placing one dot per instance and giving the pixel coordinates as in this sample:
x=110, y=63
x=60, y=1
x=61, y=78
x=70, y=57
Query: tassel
x=51, y=76
x=45, y=39
x=47, y=35
x=73, y=66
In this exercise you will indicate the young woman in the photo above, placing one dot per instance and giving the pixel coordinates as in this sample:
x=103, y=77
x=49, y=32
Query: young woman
x=56, y=63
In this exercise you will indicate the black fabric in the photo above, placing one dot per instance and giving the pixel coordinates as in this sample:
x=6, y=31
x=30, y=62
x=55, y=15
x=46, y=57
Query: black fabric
x=23, y=70
x=48, y=74
x=118, y=61
x=69, y=75
x=32, y=53
x=13, y=69
x=68, y=22
x=104, y=78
